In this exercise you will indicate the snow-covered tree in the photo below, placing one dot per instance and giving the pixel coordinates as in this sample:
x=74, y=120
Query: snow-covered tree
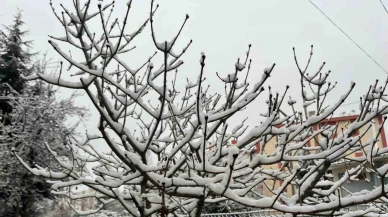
x=169, y=147
x=38, y=119
x=15, y=60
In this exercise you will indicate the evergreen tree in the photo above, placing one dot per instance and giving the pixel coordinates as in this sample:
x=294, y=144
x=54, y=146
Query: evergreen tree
x=15, y=59
x=31, y=117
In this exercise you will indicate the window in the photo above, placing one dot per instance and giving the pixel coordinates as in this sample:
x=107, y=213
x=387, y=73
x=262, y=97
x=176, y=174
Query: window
x=334, y=133
x=280, y=185
x=376, y=178
x=360, y=177
x=359, y=153
x=357, y=133
x=282, y=168
x=257, y=149
x=260, y=188
x=308, y=144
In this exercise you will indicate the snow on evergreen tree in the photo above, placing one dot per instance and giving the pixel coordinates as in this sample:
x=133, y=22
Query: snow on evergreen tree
x=15, y=59
x=31, y=117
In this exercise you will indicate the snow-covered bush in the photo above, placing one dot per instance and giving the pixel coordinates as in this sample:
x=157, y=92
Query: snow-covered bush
x=169, y=147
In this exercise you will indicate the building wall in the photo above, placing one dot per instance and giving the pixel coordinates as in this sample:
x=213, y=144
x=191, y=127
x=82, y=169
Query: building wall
x=337, y=170
x=85, y=203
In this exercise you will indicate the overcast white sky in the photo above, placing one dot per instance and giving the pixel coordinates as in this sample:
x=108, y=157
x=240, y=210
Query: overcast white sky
x=224, y=28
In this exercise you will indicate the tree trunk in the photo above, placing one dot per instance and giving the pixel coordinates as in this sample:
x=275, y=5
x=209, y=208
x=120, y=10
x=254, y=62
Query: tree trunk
x=27, y=207
x=17, y=210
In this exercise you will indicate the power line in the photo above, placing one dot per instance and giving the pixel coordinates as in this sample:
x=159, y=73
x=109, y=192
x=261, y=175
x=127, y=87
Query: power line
x=350, y=103
x=384, y=6
x=350, y=37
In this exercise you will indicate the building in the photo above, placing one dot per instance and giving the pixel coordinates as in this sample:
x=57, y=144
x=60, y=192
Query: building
x=84, y=204
x=366, y=179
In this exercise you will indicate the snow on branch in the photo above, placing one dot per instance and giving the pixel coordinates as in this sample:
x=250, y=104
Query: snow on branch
x=171, y=150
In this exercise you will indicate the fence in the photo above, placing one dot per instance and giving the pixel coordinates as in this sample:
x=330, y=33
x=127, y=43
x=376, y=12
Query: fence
x=256, y=213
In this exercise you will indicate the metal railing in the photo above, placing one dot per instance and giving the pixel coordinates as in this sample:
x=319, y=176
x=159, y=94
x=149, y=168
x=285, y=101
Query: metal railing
x=255, y=213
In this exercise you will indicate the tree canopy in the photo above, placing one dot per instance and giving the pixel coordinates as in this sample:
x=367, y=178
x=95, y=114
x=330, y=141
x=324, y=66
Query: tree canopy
x=169, y=150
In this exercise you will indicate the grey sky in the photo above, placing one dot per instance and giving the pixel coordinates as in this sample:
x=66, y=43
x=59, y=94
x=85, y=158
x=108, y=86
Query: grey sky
x=224, y=28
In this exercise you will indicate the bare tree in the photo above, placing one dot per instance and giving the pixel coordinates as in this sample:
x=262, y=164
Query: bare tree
x=177, y=154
